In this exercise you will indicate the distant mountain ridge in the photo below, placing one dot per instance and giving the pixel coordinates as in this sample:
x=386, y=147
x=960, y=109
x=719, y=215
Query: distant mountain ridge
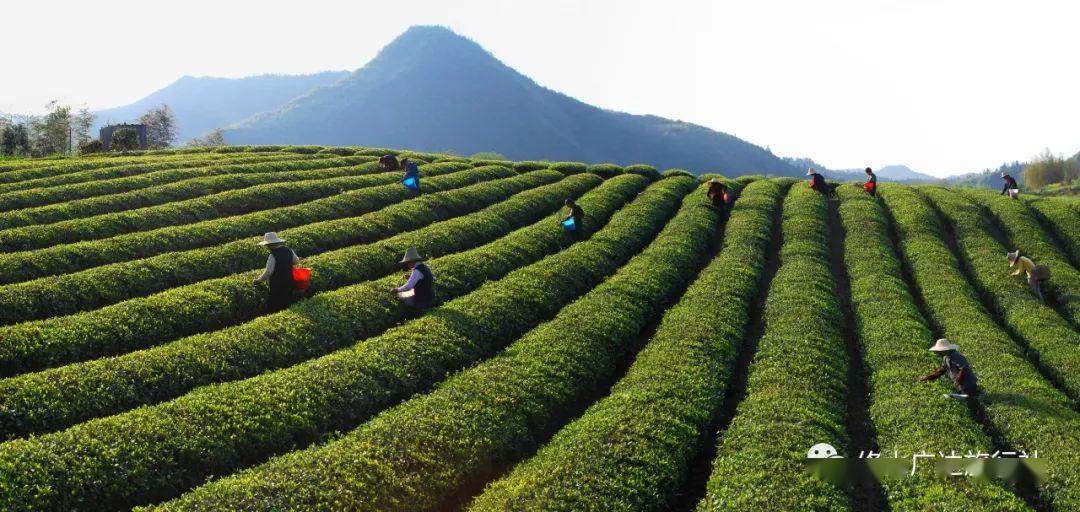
x=433, y=90
x=899, y=173
x=202, y=104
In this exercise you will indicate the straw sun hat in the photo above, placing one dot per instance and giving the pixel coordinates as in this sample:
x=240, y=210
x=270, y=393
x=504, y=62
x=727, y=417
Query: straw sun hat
x=271, y=238
x=943, y=345
x=810, y=171
x=411, y=255
x=714, y=180
x=1013, y=256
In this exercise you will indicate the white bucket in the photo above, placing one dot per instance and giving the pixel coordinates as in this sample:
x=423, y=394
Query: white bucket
x=1014, y=193
x=407, y=294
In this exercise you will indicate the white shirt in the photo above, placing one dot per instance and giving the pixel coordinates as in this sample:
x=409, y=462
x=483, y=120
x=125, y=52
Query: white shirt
x=414, y=278
x=270, y=266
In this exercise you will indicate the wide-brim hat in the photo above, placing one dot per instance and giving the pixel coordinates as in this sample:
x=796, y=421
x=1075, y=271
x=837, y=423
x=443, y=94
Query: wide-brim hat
x=810, y=171
x=411, y=255
x=1013, y=256
x=943, y=345
x=1004, y=174
x=714, y=180
x=271, y=238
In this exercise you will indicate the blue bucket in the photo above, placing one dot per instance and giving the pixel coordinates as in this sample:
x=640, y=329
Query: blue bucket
x=569, y=224
x=411, y=182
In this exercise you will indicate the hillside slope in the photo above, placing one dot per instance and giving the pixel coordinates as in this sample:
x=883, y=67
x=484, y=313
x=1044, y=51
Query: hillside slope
x=204, y=103
x=433, y=90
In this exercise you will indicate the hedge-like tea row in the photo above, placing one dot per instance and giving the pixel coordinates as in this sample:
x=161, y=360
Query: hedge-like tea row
x=266, y=191
x=1022, y=226
x=908, y=417
x=99, y=286
x=796, y=386
x=63, y=193
x=492, y=413
x=1027, y=411
x=152, y=196
x=240, y=423
x=202, y=222
x=1052, y=341
x=215, y=303
x=78, y=256
x=1062, y=216
x=64, y=396
x=63, y=173
x=632, y=448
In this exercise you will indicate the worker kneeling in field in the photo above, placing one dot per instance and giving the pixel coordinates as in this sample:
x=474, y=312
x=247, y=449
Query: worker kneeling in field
x=279, y=271
x=956, y=366
x=389, y=162
x=1036, y=274
x=871, y=182
x=718, y=193
x=418, y=292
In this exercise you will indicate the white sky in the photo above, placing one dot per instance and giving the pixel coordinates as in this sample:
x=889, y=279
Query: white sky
x=943, y=86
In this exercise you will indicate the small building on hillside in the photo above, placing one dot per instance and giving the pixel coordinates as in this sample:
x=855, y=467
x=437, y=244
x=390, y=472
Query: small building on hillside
x=105, y=135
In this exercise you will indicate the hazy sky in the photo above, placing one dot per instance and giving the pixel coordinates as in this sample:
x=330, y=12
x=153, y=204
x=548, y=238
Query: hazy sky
x=942, y=86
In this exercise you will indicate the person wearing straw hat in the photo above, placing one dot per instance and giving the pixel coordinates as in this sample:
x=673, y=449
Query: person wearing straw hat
x=717, y=193
x=817, y=181
x=418, y=292
x=278, y=272
x=958, y=368
x=1036, y=274
x=1010, y=186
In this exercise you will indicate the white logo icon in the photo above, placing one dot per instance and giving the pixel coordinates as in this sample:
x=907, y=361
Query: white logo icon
x=822, y=451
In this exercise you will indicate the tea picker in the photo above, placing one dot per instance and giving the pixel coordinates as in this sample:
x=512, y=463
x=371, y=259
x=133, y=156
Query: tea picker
x=817, y=182
x=418, y=292
x=573, y=219
x=281, y=272
x=956, y=365
x=870, y=186
x=1036, y=274
x=718, y=194
x=1010, y=186
x=412, y=175
x=389, y=162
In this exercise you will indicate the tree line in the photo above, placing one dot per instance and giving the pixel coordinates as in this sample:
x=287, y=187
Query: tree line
x=65, y=131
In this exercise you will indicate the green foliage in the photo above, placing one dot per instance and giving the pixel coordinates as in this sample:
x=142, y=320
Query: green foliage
x=1020, y=224
x=634, y=446
x=1048, y=168
x=251, y=419
x=214, y=139
x=124, y=139
x=526, y=166
x=108, y=284
x=1062, y=217
x=169, y=370
x=605, y=170
x=90, y=147
x=15, y=140
x=339, y=151
x=495, y=411
x=134, y=180
x=1050, y=336
x=569, y=167
x=487, y=155
x=1027, y=411
x=908, y=417
x=677, y=172
x=798, y=373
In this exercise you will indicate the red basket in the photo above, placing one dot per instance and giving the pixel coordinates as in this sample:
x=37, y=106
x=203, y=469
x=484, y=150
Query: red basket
x=301, y=278
x=869, y=186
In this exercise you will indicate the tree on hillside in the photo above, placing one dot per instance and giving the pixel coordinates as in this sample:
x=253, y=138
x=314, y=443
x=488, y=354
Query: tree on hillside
x=124, y=138
x=1049, y=168
x=52, y=134
x=212, y=139
x=160, y=127
x=15, y=140
x=81, y=124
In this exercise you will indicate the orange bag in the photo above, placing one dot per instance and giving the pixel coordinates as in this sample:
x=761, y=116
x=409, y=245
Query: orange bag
x=301, y=278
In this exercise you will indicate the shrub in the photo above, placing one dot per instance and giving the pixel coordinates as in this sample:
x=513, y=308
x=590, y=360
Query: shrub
x=334, y=391
x=668, y=397
x=647, y=171
x=491, y=413
x=527, y=166
x=1043, y=419
x=605, y=170
x=677, y=172
x=568, y=167
x=90, y=147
